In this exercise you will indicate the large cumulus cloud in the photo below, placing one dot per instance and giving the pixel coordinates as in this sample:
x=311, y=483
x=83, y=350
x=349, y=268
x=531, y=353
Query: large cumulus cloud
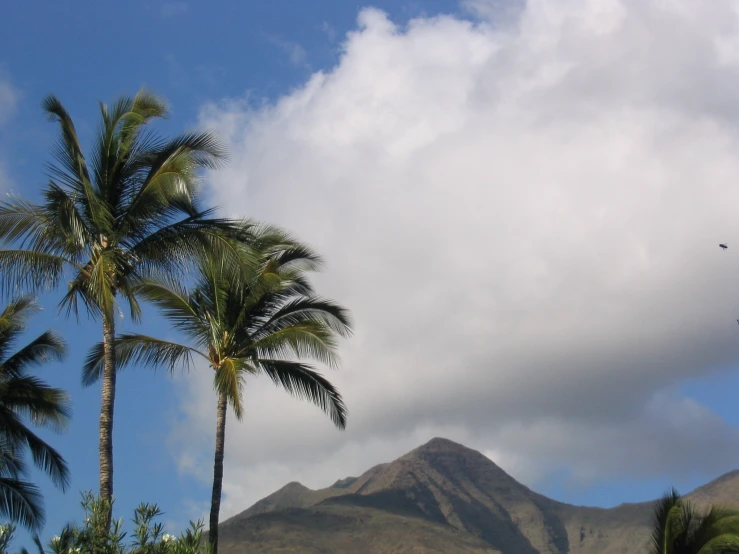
x=523, y=214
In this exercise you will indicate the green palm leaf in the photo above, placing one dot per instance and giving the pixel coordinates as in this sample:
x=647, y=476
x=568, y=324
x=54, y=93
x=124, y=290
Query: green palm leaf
x=27, y=400
x=31, y=270
x=139, y=350
x=678, y=527
x=305, y=383
x=49, y=346
x=21, y=502
x=132, y=212
x=251, y=310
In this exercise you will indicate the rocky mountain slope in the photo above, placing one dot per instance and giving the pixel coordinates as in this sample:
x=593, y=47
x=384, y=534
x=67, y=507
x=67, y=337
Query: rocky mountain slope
x=442, y=497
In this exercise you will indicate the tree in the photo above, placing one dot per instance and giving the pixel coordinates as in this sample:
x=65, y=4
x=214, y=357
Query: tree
x=26, y=397
x=245, y=319
x=680, y=528
x=133, y=209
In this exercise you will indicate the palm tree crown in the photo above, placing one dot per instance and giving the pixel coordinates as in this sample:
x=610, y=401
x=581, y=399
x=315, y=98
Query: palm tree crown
x=26, y=397
x=133, y=209
x=679, y=528
x=245, y=319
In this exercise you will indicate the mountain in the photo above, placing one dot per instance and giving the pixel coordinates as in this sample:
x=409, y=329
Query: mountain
x=441, y=498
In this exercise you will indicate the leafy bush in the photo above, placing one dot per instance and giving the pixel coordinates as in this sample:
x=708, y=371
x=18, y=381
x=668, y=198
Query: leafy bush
x=93, y=536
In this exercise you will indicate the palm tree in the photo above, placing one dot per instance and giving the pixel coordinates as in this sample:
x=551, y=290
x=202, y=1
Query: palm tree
x=133, y=209
x=244, y=321
x=679, y=528
x=23, y=396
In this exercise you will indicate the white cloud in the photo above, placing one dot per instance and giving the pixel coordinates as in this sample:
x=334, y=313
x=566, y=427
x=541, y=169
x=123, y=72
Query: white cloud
x=524, y=216
x=8, y=103
x=8, y=100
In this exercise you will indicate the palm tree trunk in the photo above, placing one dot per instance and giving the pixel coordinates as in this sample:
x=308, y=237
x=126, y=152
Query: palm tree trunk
x=106, y=411
x=215, y=502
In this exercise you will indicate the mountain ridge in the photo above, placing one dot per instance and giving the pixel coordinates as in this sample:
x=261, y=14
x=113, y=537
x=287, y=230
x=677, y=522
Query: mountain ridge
x=443, y=497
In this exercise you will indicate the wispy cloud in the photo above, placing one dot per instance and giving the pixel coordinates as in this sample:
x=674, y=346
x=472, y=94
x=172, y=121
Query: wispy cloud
x=329, y=31
x=295, y=53
x=8, y=99
x=8, y=104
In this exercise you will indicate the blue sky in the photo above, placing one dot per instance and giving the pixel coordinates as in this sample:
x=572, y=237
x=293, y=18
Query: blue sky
x=191, y=54
x=263, y=54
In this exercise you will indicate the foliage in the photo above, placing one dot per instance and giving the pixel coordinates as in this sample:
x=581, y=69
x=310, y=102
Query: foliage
x=255, y=313
x=26, y=397
x=244, y=319
x=105, y=220
x=97, y=536
x=133, y=206
x=680, y=528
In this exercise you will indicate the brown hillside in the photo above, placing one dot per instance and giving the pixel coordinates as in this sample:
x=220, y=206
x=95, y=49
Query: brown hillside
x=442, y=497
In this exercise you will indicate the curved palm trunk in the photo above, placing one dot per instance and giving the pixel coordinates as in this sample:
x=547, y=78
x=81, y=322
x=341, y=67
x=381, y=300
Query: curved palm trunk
x=215, y=502
x=106, y=411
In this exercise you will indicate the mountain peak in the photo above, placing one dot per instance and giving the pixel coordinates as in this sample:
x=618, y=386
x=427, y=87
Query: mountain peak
x=441, y=443
x=291, y=495
x=444, y=497
x=444, y=450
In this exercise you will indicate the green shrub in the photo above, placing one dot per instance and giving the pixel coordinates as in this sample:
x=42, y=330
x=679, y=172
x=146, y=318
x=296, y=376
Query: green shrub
x=94, y=537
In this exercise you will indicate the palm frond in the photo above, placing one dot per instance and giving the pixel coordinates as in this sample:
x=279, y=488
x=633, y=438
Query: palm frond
x=15, y=315
x=127, y=290
x=72, y=163
x=13, y=320
x=11, y=462
x=30, y=396
x=301, y=310
x=722, y=544
x=118, y=141
x=29, y=270
x=310, y=339
x=298, y=257
x=302, y=381
x=46, y=347
x=228, y=380
x=719, y=521
x=660, y=521
x=175, y=245
x=95, y=284
x=140, y=350
x=175, y=304
x=21, y=501
x=48, y=460
x=204, y=148
x=62, y=218
x=20, y=219
x=172, y=174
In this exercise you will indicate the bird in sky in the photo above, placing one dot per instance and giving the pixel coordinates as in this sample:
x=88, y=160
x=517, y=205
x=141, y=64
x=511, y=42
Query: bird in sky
x=723, y=246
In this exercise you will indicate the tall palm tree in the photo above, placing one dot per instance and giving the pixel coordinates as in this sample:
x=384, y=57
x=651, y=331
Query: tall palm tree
x=679, y=528
x=103, y=225
x=245, y=320
x=25, y=397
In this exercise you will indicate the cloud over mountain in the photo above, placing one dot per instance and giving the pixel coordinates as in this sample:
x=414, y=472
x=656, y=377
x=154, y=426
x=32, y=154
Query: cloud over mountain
x=523, y=214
